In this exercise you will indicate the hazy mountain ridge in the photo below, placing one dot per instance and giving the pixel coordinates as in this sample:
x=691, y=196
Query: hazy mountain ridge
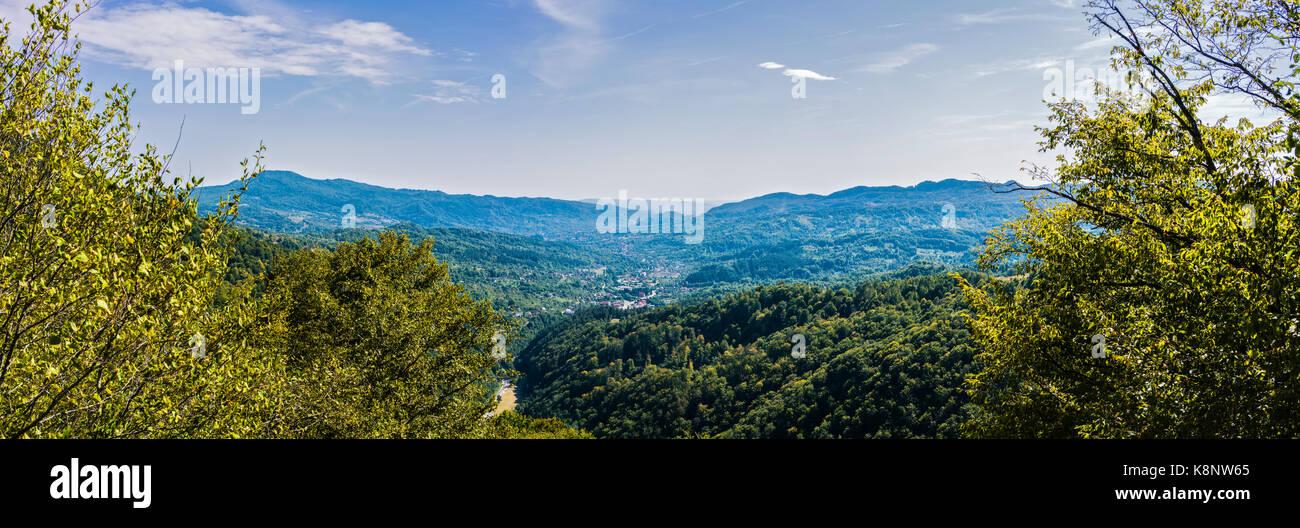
x=289, y=202
x=771, y=237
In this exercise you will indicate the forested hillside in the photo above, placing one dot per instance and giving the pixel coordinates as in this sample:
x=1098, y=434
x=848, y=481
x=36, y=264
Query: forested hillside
x=530, y=281
x=887, y=359
x=1147, y=290
x=285, y=201
x=763, y=239
x=127, y=314
x=518, y=274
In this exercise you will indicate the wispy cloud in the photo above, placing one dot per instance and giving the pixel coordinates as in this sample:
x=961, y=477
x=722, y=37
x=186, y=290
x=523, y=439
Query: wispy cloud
x=658, y=91
x=1016, y=65
x=1108, y=41
x=631, y=33
x=376, y=35
x=889, y=61
x=969, y=127
x=807, y=74
x=721, y=9
x=817, y=38
x=795, y=72
x=562, y=59
x=1002, y=15
x=320, y=91
x=149, y=36
x=706, y=61
x=315, y=89
x=955, y=120
x=449, y=92
x=15, y=11
x=1234, y=107
x=994, y=16
x=577, y=15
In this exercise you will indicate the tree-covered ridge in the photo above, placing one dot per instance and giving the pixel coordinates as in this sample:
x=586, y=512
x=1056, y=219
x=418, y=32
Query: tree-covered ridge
x=287, y=202
x=531, y=282
x=127, y=314
x=284, y=201
x=1155, y=292
x=106, y=288
x=1164, y=299
x=763, y=239
x=516, y=273
x=887, y=359
x=378, y=342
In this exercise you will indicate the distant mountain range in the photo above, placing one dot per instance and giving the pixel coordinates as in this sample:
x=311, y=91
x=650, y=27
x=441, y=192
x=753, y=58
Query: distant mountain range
x=774, y=236
x=284, y=201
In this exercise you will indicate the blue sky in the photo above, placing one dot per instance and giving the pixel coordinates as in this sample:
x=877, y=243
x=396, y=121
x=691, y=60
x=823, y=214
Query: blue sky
x=661, y=98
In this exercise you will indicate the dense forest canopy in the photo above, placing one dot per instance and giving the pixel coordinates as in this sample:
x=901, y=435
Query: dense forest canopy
x=1147, y=289
x=1164, y=296
x=887, y=359
x=128, y=315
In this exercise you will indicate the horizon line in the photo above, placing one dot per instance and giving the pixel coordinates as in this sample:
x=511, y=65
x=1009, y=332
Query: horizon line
x=719, y=201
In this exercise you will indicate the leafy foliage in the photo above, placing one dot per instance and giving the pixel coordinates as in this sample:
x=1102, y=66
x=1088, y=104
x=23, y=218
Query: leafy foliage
x=127, y=315
x=764, y=239
x=887, y=359
x=512, y=425
x=104, y=295
x=379, y=343
x=1175, y=241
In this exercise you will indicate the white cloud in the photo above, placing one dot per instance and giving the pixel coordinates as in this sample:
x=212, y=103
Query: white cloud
x=1235, y=106
x=575, y=14
x=892, y=60
x=955, y=120
x=315, y=89
x=658, y=91
x=378, y=35
x=449, y=92
x=795, y=72
x=967, y=126
x=721, y=9
x=152, y=36
x=563, y=59
x=706, y=61
x=807, y=74
x=15, y=11
x=1021, y=125
x=1001, y=15
x=1107, y=41
x=1016, y=65
x=442, y=99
